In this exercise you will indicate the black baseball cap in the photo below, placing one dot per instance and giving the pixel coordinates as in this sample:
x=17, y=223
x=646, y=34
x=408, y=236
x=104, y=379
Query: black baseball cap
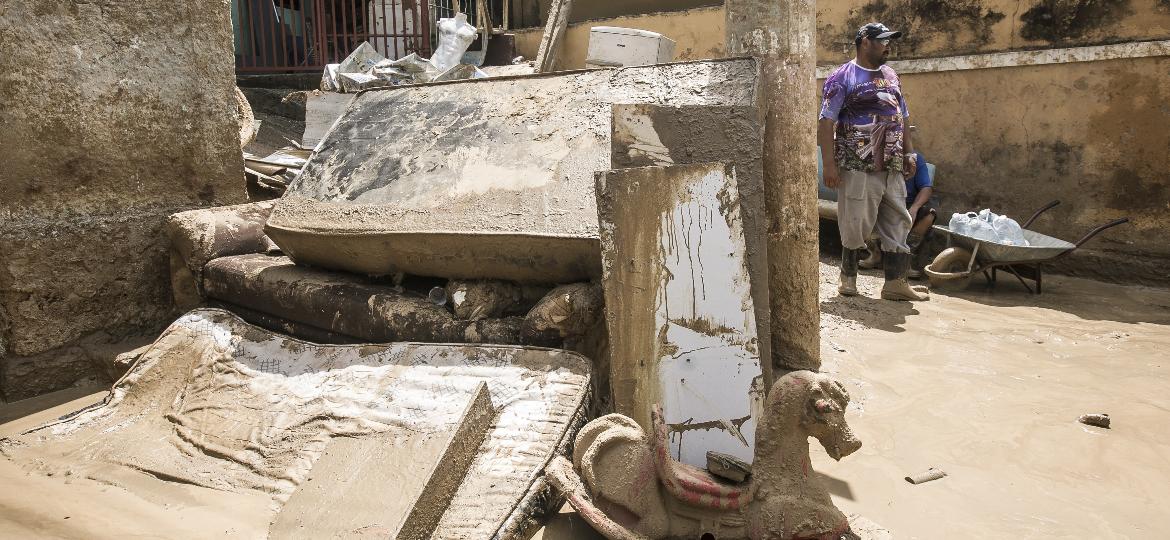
x=876, y=30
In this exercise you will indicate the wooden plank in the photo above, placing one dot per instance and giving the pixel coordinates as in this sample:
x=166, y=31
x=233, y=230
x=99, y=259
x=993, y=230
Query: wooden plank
x=321, y=111
x=554, y=30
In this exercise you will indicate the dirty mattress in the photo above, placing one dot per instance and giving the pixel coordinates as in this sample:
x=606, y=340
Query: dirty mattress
x=489, y=178
x=224, y=405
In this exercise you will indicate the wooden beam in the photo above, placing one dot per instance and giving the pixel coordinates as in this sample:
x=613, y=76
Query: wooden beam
x=554, y=30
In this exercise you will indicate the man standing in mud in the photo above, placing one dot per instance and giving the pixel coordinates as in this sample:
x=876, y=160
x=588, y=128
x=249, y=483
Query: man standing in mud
x=869, y=159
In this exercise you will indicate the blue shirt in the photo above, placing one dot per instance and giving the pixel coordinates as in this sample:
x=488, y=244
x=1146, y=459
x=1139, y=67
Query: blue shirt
x=921, y=179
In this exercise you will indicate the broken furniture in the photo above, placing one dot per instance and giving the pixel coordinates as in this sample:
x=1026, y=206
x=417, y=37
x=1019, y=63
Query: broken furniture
x=680, y=314
x=967, y=256
x=416, y=190
x=268, y=177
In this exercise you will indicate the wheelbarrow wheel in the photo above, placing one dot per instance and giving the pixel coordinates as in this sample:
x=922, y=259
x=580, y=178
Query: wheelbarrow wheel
x=949, y=269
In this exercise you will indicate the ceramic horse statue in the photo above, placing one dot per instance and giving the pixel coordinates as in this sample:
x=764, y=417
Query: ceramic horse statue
x=627, y=486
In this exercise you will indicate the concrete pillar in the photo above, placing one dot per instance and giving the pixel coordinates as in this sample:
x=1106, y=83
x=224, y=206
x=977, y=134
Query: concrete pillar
x=780, y=33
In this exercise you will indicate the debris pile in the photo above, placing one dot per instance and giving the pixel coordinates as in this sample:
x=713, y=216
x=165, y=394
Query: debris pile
x=366, y=68
x=268, y=177
x=222, y=256
x=404, y=288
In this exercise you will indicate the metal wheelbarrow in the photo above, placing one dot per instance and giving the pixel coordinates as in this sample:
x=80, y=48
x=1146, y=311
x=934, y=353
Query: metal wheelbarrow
x=966, y=256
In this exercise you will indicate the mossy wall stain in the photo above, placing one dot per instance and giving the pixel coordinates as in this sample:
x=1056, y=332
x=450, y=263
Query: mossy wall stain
x=966, y=23
x=1061, y=20
x=1131, y=131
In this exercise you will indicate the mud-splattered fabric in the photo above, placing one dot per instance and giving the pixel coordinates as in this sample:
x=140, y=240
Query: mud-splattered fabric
x=870, y=113
x=221, y=404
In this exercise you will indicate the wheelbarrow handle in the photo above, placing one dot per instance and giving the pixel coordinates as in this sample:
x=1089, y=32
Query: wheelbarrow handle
x=1042, y=209
x=1100, y=228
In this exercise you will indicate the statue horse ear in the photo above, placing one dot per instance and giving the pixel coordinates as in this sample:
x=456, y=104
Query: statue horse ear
x=825, y=399
x=819, y=408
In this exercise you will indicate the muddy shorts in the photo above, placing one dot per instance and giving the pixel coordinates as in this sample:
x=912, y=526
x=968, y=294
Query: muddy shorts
x=873, y=203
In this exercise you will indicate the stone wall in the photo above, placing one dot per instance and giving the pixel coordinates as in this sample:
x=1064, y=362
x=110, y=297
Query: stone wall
x=116, y=114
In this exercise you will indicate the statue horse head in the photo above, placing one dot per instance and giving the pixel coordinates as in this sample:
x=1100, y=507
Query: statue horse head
x=806, y=404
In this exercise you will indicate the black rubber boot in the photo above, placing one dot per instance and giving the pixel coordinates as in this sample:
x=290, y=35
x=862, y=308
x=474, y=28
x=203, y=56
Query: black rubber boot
x=874, y=258
x=848, y=286
x=896, y=287
x=918, y=260
x=917, y=254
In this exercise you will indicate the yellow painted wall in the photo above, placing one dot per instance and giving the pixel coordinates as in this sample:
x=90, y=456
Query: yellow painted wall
x=698, y=34
x=933, y=27
x=1092, y=134
x=954, y=27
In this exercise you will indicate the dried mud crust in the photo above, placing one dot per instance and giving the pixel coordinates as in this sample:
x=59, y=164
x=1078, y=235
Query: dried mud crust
x=319, y=391
x=511, y=160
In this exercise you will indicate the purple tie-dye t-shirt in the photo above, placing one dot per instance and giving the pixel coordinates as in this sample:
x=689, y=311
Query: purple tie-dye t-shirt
x=870, y=114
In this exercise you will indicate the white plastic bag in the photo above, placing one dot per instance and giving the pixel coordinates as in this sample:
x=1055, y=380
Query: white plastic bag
x=1009, y=231
x=987, y=225
x=455, y=36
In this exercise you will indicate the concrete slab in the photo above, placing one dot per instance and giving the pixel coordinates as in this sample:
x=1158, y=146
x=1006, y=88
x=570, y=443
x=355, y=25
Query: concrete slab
x=394, y=484
x=489, y=178
x=680, y=314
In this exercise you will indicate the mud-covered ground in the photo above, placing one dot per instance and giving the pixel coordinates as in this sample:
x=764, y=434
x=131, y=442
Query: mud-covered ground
x=985, y=385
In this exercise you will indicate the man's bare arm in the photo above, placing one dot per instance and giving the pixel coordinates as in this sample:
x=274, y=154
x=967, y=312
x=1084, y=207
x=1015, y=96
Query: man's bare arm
x=907, y=140
x=920, y=199
x=825, y=129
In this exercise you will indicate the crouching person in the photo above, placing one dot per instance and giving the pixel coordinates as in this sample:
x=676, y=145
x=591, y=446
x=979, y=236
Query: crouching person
x=923, y=207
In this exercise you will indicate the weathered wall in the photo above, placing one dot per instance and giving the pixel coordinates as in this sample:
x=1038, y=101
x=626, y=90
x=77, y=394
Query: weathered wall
x=698, y=34
x=115, y=115
x=1092, y=134
x=933, y=27
x=586, y=10
x=950, y=27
